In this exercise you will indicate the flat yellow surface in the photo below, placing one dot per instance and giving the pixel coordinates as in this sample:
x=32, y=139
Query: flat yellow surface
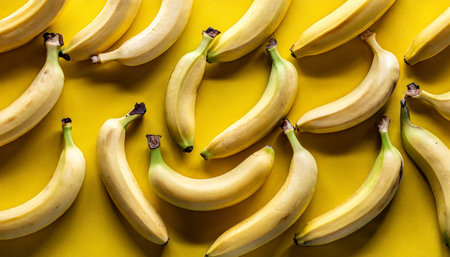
x=93, y=94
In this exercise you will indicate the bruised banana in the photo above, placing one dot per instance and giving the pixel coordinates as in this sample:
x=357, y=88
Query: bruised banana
x=441, y=103
x=365, y=204
x=361, y=103
x=120, y=182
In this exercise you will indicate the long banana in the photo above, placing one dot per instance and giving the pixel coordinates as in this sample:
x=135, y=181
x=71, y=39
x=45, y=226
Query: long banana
x=120, y=182
x=182, y=91
x=212, y=193
x=155, y=39
x=430, y=41
x=274, y=104
x=365, y=204
x=339, y=27
x=40, y=97
x=440, y=103
x=27, y=22
x=361, y=103
x=257, y=24
x=54, y=200
x=432, y=157
x=111, y=23
x=280, y=212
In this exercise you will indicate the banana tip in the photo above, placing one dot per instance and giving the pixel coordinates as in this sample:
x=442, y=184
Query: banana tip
x=64, y=56
x=205, y=155
x=188, y=149
x=404, y=59
x=95, y=59
x=165, y=243
x=292, y=51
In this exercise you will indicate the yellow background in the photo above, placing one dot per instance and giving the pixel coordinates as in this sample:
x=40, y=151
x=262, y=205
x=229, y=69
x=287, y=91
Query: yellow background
x=93, y=94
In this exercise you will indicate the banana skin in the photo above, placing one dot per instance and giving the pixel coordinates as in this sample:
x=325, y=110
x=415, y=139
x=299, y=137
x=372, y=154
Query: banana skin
x=441, y=102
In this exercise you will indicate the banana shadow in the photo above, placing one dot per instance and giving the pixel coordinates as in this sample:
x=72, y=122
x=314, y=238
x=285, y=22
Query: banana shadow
x=417, y=106
x=431, y=70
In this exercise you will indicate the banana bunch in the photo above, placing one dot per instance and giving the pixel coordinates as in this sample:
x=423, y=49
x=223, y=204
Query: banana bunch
x=432, y=156
x=280, y=212
x=365, y=204
x=361, y=103
x=40, y=97
x=430, y=41
x=27, y=22
x=440, y=103
x=339, y=27
x=54, y=200
x=155, y=39
x=120, y=182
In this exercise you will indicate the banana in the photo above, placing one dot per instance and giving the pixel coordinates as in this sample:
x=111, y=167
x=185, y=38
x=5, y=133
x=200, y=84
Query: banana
x=212, y=193
x=155, y=39
x=339, y=27
x=280, y=212
x=40, y=97
x=120, y=182
x=432, y=156
x=112, y=22
x=182, y=91
x=440, y=103
x=54, y=200
x=257, y=24
x=430, y=41
x=274, y=104
x=361, y=103
x=365, y=204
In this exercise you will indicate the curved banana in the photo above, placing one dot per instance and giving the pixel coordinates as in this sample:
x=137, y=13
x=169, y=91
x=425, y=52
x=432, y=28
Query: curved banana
x=274, y=104
x=365, y=204
x=432, y=157
x=32, y=106
x=339, y=27
x=440, y=103
x=120, y=182
x=27, y=22
x=182, y=91
x=155, y=39
x=112, y=22
x=212, y=193
x=361, y=103
x=430, y=41
x=257, y=24
x=54, y=200
x=280, y=212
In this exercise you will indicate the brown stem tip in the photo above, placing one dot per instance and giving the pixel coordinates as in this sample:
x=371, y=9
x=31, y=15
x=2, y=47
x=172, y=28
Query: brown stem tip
x=53, y=38
x=286, y=125
x=292, y=51
x=66, y=121
x=403, y=103
x=154, y=141
x=95, y=59
x=272, y=43
x=64, y=56
x=139, y=108
x=188, y=149
x=413, y=90
x=383, y=123
x=211, y=32
x=365, y=35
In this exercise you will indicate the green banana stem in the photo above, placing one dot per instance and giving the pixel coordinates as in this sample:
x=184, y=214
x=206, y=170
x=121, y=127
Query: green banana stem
x=383, y=125
x=288, y=130
x=67, y=127
x=154, y=143
x=208, y=37
x=137, y=112
x=405, y=119
x=53, y=43
x=271, y=48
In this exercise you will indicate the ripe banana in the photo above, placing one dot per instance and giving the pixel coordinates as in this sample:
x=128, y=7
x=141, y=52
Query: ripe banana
x=54, y=200
x=27, y=22
x=32, y=106
x=339, y=27
x=364, y=101
x=112, y=22
x=212, y=193
x=439, y=102
x=155, y=39
x=365, y=204
x=182, y=91
x=257, y=24
x=432, y=157
x=430, y=41
x=120, y=182
x=274, y=104
x=278, y=214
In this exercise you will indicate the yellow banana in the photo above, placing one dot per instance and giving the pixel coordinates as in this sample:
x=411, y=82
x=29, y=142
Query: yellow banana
x=440, y=103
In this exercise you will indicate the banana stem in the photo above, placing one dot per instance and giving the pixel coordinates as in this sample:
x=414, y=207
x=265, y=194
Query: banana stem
x=271, y=48
x=138, y=110
x=208, y=37
x=405, y=119
x=67, y=127
x=154, y=143
x=53, y=43
x=288, y=130
x=413, y=90
x=383, y=125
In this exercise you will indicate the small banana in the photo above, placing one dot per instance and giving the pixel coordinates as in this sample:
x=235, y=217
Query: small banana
x=365, y=204
x=155, y=39
x=439, y=102
x=432, y=156
x=40, y=97
x=120, y=182
x=361, y=103
x=112, y=22
x=257, y=24
x=339, y=27
x=182, y=91
x=27, y=22
x=280, y=212
x=212, y=193
x=274, y=104
x=54, y=200
x=430, y=41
